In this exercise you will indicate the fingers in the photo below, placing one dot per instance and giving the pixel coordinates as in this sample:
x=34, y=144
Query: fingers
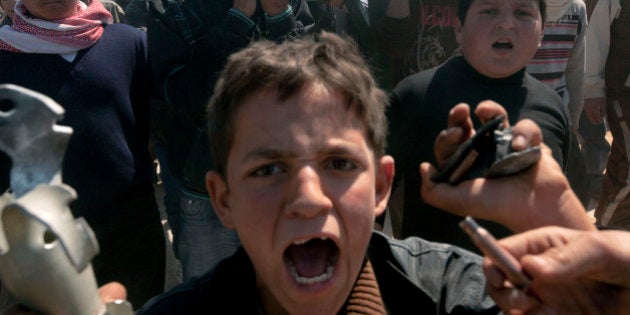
x=487, y=110
x=507, y=297
x=526, y=133
x=460, y=128
x=537, y=241
x=447, y=143
x=112, y=291
x=494, y=277
x=594, y=255
x=511, y=300
x=459, y=116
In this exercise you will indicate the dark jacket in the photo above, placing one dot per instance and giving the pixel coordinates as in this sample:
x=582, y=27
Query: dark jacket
x=185, y=69
x=414, y=276
x=362, y=23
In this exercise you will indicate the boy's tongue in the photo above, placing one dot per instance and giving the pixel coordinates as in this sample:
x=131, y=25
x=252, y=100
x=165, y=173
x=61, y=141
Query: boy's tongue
x=310, y=259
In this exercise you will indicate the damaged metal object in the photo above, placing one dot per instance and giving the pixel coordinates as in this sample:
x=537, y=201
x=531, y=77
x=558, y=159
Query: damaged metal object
x=30, y=136
x=45, y=252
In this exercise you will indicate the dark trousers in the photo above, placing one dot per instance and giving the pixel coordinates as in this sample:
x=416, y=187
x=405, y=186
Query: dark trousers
x=132, y=248
x=595, y=149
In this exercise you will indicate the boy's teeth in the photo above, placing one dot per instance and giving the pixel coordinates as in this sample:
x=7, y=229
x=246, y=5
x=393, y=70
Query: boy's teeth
x=312, y=280
x=300, y=242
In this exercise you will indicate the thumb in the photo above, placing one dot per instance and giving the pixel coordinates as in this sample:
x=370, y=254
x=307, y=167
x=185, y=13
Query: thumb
x=112, y=291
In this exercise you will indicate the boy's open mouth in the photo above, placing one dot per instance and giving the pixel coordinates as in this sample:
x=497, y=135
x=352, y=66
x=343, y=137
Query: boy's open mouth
x=502, y=44
x=312, y=261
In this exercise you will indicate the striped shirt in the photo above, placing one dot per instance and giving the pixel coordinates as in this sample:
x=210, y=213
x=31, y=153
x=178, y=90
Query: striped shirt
x=559, y=62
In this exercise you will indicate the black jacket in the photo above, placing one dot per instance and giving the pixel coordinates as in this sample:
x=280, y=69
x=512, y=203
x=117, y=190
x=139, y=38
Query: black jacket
x=185, y=69
x=414, y=275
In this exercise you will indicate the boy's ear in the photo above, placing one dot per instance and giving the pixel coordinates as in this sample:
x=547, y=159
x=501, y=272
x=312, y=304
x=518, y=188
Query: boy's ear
x=384, y=179
x=219, y=196
x=458, y=31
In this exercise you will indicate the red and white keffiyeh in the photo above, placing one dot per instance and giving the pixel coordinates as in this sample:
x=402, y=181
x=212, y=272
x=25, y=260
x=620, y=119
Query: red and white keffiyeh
x=65, y=36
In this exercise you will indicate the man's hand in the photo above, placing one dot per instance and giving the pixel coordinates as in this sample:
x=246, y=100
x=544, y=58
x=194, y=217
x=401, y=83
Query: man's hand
x=537, y=197
x=573, y=272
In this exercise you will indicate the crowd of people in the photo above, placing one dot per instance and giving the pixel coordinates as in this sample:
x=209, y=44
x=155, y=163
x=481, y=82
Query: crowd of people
x=288, y=131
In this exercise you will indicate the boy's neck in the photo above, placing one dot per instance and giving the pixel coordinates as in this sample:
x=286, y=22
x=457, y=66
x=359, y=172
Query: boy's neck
x=365, y=295
x=513, y=78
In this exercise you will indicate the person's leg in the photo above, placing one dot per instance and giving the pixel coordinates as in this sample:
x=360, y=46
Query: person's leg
x=614, y=205
x=132, y=248
x=204, y=241
x=595, y=149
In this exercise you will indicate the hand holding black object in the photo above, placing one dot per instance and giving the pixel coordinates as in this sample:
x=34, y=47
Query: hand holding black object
x=489, y=154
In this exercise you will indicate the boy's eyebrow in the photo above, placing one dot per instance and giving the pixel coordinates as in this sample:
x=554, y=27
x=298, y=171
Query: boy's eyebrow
x=268, y=154
x=339, y=149
x=272, y=154
x=527, y=3
x=519, y=3
x=488, y=2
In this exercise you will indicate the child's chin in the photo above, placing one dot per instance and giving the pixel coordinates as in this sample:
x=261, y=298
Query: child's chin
x=321, y=297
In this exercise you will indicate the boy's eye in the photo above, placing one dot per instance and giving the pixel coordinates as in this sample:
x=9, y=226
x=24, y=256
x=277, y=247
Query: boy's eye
x=523, y=13
x=489, y=11
x=341, y=164
x=267, y=170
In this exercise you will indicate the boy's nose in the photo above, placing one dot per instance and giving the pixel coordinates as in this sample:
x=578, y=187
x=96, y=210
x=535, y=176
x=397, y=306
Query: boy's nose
x=506, y=21
x=307, y=196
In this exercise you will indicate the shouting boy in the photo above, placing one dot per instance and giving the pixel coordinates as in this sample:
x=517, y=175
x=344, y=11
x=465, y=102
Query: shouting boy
x=298, y=134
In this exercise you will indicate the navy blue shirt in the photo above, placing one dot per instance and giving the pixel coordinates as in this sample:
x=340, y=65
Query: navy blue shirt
x=105, y=94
